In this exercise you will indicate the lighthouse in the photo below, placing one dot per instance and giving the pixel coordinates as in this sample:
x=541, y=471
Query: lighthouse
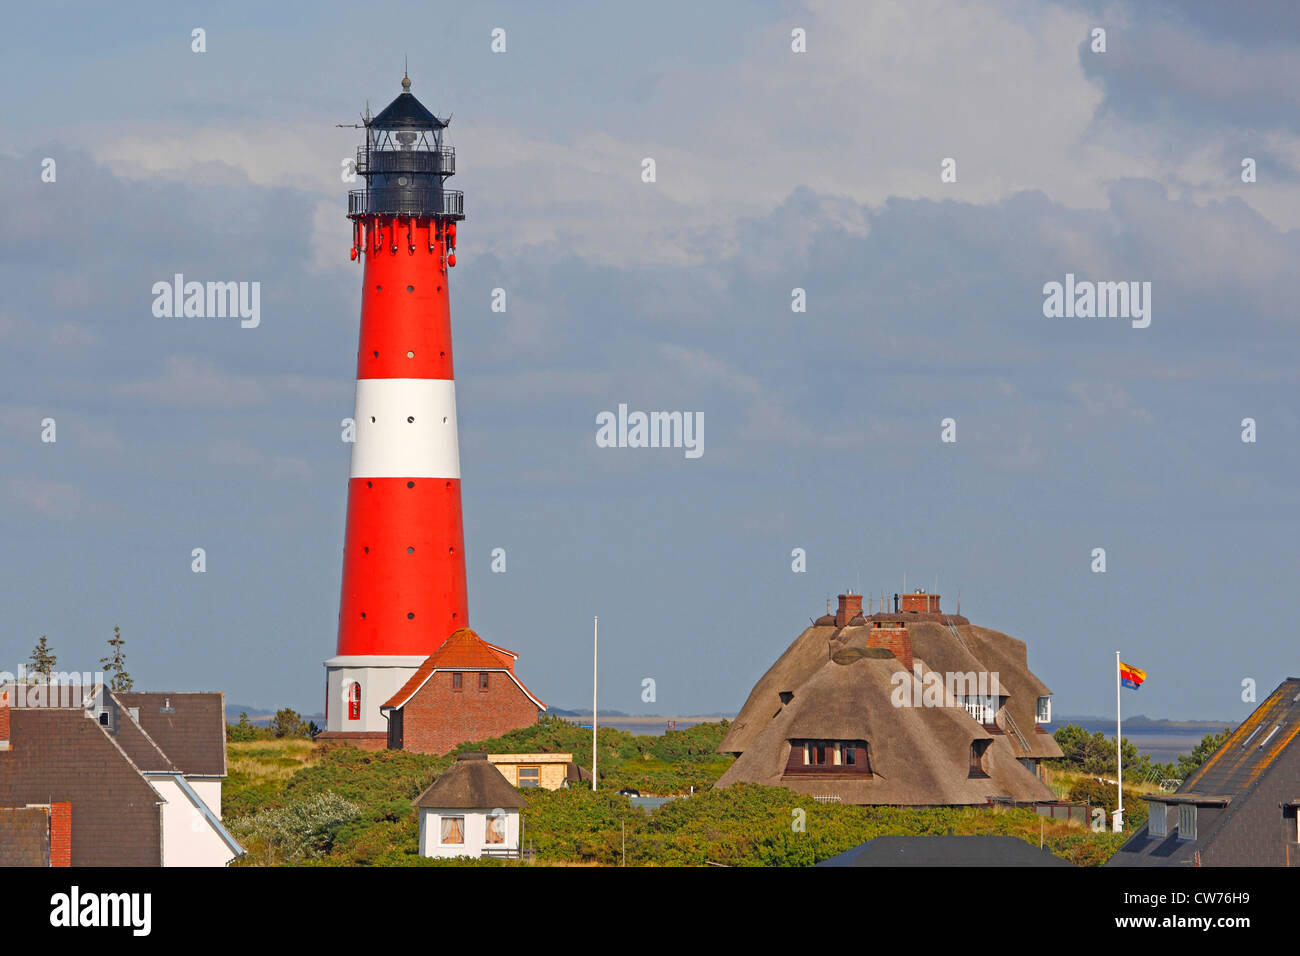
x=403, y=591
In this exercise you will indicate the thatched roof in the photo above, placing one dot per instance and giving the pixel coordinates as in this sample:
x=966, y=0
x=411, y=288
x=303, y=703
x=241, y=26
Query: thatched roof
x=801, y=660
x=471, y=783
x=828, y=684
x=919, y=756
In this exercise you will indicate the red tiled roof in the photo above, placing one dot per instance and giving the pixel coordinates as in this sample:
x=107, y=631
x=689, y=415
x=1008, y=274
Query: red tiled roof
x=466, y=649
x=463, y=650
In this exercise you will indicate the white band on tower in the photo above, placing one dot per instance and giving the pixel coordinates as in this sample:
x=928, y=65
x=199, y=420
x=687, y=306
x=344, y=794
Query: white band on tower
x=406, y=428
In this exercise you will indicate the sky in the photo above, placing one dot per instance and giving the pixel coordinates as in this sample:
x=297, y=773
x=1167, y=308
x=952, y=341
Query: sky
x=775, y=170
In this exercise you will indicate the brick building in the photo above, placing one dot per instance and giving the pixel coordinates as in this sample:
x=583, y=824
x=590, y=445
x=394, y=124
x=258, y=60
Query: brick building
x=466, y=690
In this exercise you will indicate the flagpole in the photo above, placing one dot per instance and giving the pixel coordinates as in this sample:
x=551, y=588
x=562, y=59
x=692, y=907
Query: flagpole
x=595, y=641
x=1118, y=823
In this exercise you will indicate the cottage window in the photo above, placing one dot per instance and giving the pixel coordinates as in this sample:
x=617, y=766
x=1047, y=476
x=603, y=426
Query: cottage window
x=496, y=830
x=1187, y=821
x=482, y=681
x=354, y=700
x=529, y=776
x=453, y=830
x=850, y=755
x=456, y=681
x=1043, y=712
x=1157, y=820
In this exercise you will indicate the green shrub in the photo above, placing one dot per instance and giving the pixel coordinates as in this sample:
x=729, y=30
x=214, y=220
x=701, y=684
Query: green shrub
x=303, y=829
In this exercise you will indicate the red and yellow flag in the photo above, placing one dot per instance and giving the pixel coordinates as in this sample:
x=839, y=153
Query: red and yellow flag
x=1130, y=676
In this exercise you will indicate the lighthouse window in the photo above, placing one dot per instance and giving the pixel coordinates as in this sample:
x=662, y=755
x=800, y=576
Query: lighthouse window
x=367, y=550
x=372, y=417
x=410, y=484
x=354, y=701
x=410, y=288
x=410, y=615
x=410, y=551
x=410, y=418
x=410, y=355
x=376, y=356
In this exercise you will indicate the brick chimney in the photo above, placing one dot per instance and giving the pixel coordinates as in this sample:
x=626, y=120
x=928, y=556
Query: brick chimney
x=850, y=607
x=60, y=834
x=921, y=601
x=892, y=637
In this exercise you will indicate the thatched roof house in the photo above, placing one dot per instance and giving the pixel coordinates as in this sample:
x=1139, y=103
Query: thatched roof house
x=909, y=708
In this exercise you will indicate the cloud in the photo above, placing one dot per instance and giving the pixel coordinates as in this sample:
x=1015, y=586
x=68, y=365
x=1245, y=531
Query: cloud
x=51, y=499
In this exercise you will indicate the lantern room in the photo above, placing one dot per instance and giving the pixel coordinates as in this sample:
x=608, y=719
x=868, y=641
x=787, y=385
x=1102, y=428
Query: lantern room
x=406, y=163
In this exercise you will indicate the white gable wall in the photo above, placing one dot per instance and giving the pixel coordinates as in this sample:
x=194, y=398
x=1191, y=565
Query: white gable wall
x=188, y=837
x=209, y=791
x=475, y=832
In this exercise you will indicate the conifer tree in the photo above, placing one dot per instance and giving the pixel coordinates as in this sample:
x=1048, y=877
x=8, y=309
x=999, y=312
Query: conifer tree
x=115, y=664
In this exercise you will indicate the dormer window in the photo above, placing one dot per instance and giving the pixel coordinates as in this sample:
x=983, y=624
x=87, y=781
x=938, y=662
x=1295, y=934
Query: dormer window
x=978, y=750
x=1043, y=711
x=1187, y=821
x=1158, y=820
x=837, y=757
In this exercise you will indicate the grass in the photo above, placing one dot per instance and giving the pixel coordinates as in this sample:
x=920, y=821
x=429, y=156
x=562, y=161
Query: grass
x=259, y=769
x=302, y=805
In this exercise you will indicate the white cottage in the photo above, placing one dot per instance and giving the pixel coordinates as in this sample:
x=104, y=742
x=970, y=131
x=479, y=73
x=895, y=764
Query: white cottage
x=469, y=810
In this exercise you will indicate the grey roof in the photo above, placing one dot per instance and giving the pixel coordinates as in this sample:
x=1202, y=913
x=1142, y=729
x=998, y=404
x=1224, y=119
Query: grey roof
x=945, y=851
x=471, y=783
x=407, y=112
x=190, y=728
x=25, y=836
x=1240, y=794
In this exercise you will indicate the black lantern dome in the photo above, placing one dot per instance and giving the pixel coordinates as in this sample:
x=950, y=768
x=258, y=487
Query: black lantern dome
x=406, y=164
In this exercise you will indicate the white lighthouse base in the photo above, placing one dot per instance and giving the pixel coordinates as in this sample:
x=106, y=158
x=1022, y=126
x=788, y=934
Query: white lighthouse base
x=379, y=677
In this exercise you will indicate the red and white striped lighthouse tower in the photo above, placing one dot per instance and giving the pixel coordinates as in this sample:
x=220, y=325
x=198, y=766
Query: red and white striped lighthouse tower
x=403, y=557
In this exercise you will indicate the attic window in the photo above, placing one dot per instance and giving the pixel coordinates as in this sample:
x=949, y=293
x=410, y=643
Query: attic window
x=1187, y=821
x=786, y=696
x=828, y=757
x=978, y=749
x=1043, y=712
